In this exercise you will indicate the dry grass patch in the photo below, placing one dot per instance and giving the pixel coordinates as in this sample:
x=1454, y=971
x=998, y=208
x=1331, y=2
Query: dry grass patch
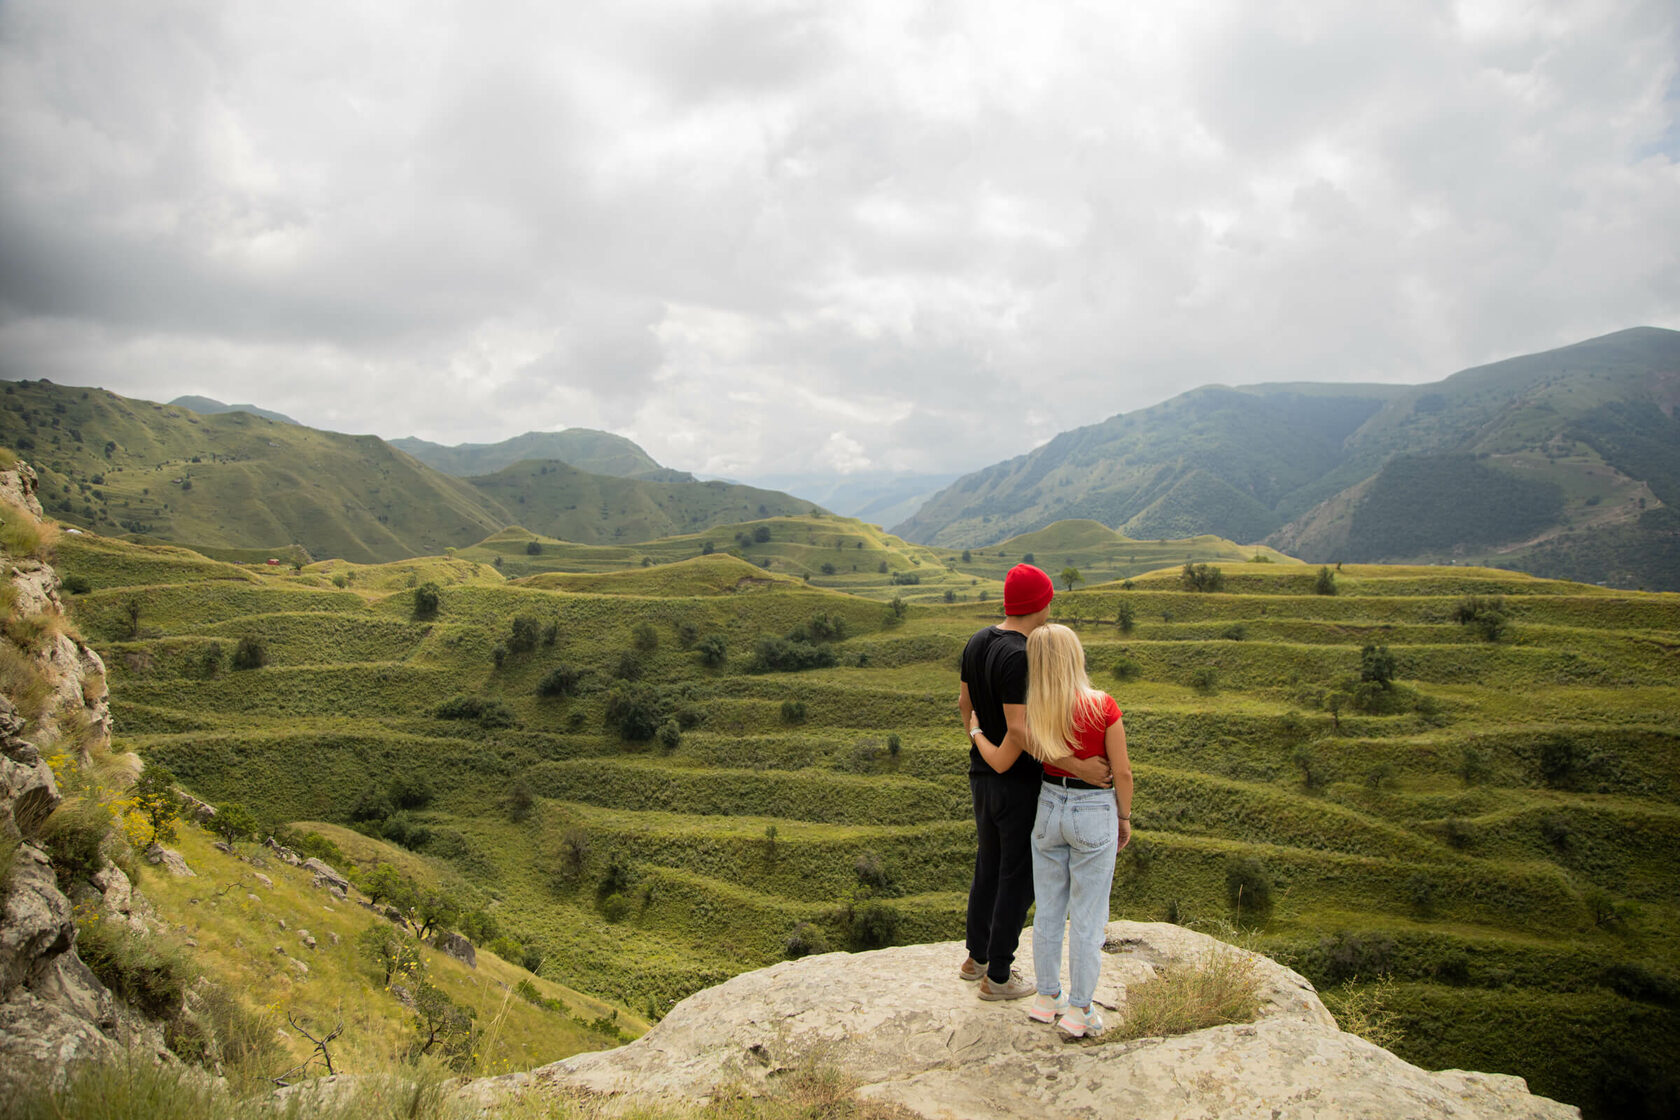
x=1212, y=990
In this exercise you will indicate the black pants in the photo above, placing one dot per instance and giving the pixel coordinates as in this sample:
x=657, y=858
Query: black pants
x=1002, y=890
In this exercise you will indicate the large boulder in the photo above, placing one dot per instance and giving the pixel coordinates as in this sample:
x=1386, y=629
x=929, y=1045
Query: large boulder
x=903, y=1024
x=453, y=944
x=326, y=877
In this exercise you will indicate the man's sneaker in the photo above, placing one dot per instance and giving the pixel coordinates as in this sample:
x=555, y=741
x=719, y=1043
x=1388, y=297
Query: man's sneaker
x=1016, y=987
x=971, y=970
x=1045, y=1009
x=1077, y=1023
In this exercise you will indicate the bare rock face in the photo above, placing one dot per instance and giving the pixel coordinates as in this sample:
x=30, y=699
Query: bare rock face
x=454, y=945
x=171, y=860
x=18, y=486
x=326, y=877
x=902, y=1022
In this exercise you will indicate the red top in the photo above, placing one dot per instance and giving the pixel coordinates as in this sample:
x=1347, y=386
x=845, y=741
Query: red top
x=1090, y=734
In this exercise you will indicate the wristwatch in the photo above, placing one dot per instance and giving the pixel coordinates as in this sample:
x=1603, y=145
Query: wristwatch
x=973, y=731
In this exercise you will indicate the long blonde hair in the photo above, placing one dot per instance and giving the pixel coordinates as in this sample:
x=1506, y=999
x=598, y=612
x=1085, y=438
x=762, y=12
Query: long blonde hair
x=1059, y=693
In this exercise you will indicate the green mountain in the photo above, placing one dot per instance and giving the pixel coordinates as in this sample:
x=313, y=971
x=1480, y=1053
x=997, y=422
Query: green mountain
x=241, y=486
x=623, y=767
x=583, y=448
x=206, y=406
x=559, y=500
x=1564, y=463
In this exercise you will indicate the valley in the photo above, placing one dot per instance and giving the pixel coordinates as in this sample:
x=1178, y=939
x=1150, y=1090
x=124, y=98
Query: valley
x=664, y=766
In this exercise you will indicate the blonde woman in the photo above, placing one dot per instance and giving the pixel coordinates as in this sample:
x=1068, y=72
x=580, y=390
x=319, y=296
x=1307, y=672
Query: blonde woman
x=1080, y=827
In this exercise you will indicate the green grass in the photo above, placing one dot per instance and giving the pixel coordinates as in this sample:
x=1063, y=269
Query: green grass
x=643, y=874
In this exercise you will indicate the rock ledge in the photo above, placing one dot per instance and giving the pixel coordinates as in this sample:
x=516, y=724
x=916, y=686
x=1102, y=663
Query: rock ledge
x=901, y=1022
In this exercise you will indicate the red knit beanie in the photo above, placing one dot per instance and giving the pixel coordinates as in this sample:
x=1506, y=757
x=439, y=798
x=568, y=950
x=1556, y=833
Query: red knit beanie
x=1026, y=590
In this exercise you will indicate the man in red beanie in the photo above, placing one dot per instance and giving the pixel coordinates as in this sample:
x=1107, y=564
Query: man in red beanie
x=1004, y=781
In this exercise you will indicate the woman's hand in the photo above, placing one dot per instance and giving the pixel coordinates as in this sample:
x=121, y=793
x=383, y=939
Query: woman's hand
x=1125, y=833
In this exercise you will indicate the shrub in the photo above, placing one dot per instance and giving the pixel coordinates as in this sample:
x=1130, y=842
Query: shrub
x=713, y=650
x=634, y=711
x=906, y=579
x=1363, y=1009
x=873, y=924
x=250, y=653
x=1126, y=669
x=1473, y=767
x=562, y=680
x=426, y=600
x=1235, y=632
x=629, y=667
x=1201, y=577
x=157, y=802
x=1125, y=617
x=1456, y=832
x=74, y=837
x=670, y=735
x=533, y=548
x=77, y=585
x=1248, y=887
x=524, y=632
x=805, y=940
x=1326, y=582
x=644, y=637
x=760, y=534
x=233, y=823
x=1420, y=892
x=872, y=872
x=788, y=656
x=894, y=744
x=793, y=711
x=687, y=635
x=1377, y=666
x=1313, y=774
x=490, y=714
x=1485, y=613
x=1205, y=680
x=1347, y=955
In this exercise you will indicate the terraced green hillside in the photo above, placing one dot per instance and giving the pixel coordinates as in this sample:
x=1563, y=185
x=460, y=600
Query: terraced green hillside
x=634, y=774
x=846, y=554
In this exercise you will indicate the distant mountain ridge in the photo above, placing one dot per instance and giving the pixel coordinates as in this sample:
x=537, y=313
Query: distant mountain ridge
x=207, y=406
x=1565, y=463
x=236, y=480
x=584, y=448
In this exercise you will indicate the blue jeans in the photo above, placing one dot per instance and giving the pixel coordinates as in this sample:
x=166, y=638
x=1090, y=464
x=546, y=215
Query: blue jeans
x=1075, y=840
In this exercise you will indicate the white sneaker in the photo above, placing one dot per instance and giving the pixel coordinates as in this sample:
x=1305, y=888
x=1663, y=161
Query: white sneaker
x=1045, y=1009
x=1078, y=1023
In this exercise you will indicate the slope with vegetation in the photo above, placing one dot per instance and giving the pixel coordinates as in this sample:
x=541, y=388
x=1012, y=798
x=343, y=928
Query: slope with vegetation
x=583, y=448
x=243, y=486
x=1459, y=779
x=1563, y=463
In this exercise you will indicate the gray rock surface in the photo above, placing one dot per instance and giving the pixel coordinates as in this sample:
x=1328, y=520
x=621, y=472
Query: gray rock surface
x=454, y=945
x=326, y=877
x=911, y=1032
x=170, y=860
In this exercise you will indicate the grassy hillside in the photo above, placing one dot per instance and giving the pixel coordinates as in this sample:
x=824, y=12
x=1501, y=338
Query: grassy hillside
x=629, y=769
x=561, y=501
x=1560, y=463
x=245, y=487
x=848, y=555
x=583, y=448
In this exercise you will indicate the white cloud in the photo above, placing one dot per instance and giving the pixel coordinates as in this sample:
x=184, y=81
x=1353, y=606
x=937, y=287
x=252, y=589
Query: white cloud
x=789, y=236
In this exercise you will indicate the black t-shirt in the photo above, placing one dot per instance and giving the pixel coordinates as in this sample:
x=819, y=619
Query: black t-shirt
x=994, y=666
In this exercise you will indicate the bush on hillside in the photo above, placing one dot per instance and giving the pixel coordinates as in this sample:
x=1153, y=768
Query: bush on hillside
x=426, y=600
x=629, y=667
x=787, y=656
x=233, y=823
x=1485, y=613
x=1248, y=887
x=562, y=680
x=805, y=940
x=524, y=632
x=1201, y=577
x=872, y=924
x=1377, y=666
x=793, y=711
x=533, y=548
x=490, y=714
x=634, y=711
x=1325, y=584
x=713, y=650
x=644, y=637
x=1126, y=668
x=157, y=802
x=250, y=653
x=1125, y=617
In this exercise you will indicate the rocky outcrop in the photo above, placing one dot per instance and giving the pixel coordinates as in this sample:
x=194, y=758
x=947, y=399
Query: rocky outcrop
x=454, y=945
x=911, y=1032
x=18, y=484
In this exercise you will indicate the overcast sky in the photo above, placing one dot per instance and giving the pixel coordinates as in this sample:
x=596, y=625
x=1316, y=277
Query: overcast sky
x=772, y=237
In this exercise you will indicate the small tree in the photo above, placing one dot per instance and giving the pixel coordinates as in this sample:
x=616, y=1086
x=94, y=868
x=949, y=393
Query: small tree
x=250, y=653
x=441, y=1022
x=562, y=680
x=760, y=534
x=670, y=735
x=1201, y=577
x=155, y=800
x=1377, y=665
x=131, y=611
x=524, y=632
x=426, y=600
x=533, y=548
x=392, y=951
x=1125, y=617
x=519, y=802
x=644, y=637
x=713, y=650
x=233, y=823
x=1070, y=576
x=1326, y=582
x=1248, y=887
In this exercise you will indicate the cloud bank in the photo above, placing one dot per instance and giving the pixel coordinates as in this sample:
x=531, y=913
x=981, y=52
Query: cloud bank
x=781, y=237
